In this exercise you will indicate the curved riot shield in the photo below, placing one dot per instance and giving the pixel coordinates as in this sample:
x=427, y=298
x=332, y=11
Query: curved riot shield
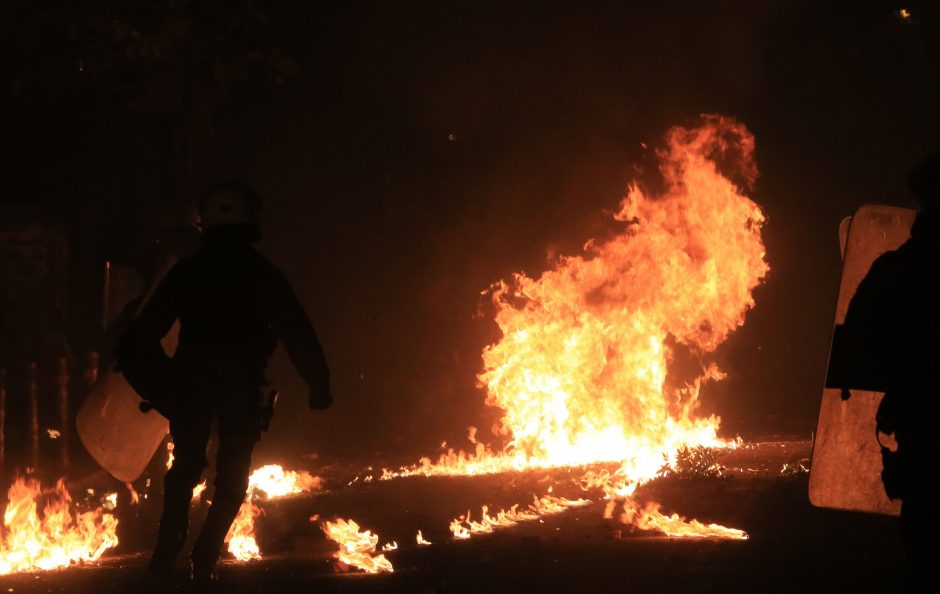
x=120, y=437
x=846, y=469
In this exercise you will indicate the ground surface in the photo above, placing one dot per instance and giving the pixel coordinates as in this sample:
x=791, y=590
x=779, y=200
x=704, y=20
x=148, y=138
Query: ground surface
x=792, y=547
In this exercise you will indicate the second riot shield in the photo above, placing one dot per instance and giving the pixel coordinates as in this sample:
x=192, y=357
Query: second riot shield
x=846, y=469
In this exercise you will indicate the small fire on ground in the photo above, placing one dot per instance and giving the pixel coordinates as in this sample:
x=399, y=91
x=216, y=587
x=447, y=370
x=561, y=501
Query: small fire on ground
x=265, y=483
x=357, y=548
x=56, y=537
x=465, y=526
x=649, y=517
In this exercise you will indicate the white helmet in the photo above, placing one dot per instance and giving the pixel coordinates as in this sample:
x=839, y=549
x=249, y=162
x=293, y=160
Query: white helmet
x=230, y=203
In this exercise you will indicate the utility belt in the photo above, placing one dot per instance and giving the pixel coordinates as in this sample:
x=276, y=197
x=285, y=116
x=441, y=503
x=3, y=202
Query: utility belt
x=167, y=400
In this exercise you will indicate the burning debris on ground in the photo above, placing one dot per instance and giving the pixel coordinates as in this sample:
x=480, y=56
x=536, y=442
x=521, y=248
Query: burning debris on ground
x=505, y=549
x=44, y=530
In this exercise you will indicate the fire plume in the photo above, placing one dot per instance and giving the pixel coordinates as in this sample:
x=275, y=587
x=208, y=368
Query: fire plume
x=58, y=537
x=356, y=548
x=580, y=372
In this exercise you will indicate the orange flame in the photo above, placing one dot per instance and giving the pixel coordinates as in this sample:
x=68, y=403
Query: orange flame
x=58, y=538
x=356, y=548
x=267, y=482
x=464, y=527
x=650, y=518
x=580, y=373
x=273, y=481
x=169, y=455
x=132, y=492
x=199, y=489
x=241, y=536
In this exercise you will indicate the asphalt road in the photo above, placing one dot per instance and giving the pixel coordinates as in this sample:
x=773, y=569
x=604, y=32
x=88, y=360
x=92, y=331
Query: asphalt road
x=792, y=546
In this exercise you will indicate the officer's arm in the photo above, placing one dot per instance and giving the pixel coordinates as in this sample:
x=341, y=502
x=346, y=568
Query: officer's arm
x=295, y=330
x=870, y=307
x=139, y=353
x=864, y=345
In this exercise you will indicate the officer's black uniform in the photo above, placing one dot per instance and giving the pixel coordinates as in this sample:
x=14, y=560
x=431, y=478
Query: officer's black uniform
x=233, y=306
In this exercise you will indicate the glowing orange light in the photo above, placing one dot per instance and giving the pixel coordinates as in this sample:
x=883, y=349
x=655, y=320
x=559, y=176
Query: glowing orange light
x=267, y=482
x=580, y=374
x=465, y=526
x=356, y=548
x=58, y=537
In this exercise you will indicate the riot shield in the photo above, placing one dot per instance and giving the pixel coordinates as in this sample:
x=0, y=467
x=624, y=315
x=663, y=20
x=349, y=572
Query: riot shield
x=846, y=468
x=120, y=437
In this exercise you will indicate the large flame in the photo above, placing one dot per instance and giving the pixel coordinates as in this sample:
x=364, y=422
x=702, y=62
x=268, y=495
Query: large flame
x=58, y=537
x=580, y=371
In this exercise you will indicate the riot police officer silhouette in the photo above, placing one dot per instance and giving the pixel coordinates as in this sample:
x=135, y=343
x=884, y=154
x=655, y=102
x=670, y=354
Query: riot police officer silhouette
x=890, y=331
x=233, y=307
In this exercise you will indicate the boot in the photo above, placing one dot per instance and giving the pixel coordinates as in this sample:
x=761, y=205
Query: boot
x=204, y=576
x=208, y=546
x=164, y=555
x=171, y=536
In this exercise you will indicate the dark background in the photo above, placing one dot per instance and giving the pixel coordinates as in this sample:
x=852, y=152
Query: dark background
x=412, y=153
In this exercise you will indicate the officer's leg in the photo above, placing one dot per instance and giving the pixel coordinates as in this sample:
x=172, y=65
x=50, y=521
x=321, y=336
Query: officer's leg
x=918, y=531
x=190, y=437
x=237, y=436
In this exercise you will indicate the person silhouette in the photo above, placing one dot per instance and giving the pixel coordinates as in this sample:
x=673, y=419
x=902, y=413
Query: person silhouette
x=233, y=306
x=891, y=327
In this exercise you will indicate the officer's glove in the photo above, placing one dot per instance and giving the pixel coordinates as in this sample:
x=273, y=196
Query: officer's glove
x=320, y=397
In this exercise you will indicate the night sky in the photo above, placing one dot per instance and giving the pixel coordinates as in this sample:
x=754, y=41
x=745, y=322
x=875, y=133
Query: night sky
x=411, y=154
